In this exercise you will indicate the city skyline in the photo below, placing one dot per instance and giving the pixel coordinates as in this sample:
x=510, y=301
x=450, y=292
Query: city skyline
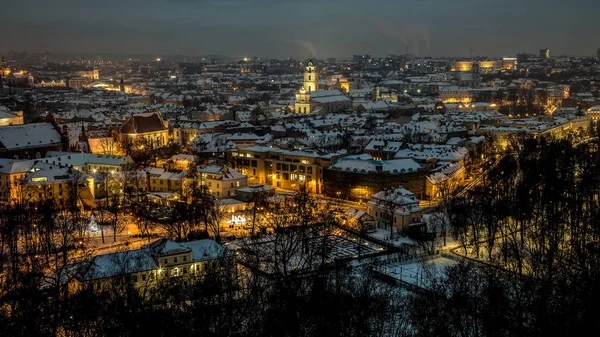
x=319, y=29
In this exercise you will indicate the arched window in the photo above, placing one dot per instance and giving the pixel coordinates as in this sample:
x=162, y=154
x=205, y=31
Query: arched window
x=38, y=155
x=309, y=77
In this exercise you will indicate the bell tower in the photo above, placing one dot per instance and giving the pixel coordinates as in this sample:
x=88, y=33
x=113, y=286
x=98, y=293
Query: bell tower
x=311, y=77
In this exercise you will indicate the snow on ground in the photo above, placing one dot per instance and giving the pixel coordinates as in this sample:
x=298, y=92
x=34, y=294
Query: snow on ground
x=384, y=235
x=420, y=274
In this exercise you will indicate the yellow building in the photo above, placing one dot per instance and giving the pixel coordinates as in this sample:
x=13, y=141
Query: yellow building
x=161, y=180
x=49, y=182
x=288, y=170
x=12, y=173
x=222, y=181
x=507, y=63
x=4, y=68
x=456, y=95
x=44, y=84
x=443, y=181
x=10, y=118
x=594, y=112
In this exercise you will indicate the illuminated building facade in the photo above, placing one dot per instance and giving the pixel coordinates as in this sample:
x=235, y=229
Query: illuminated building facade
x=52, y=84
x=222, y=181
x=288, y=170
x=507, y=63
x=147, y=129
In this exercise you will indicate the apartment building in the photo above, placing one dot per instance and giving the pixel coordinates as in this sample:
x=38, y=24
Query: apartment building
x=283, y=169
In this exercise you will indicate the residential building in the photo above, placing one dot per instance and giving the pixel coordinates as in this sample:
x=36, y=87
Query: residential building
x=222, y=181
x=145, y=266
x=359, y=177
x=88, y=162
x=398, y=208
x=594, y=112
x=282, y=169
x=12, y=173
x=60, y=184
x=161, y=180
x=444, y=180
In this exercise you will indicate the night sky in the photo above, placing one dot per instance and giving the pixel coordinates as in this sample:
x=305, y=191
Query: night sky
x=321, y=28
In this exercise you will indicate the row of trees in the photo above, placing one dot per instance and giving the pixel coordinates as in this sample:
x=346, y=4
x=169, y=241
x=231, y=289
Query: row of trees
x=534, y=227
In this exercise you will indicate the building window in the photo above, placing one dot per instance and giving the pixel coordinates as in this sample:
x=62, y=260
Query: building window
x=175, y=259
x=237, y=183
x=184, y=258
x=166, y=261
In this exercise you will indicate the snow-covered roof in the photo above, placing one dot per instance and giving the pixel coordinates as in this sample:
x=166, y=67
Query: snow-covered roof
x=224, y=173
x=28, y=135
x=396, y=166
x=160, y=173
x=12, y=166
x=81, y=159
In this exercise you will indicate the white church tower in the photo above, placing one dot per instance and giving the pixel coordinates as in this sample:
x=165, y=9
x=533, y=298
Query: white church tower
x=311, y=77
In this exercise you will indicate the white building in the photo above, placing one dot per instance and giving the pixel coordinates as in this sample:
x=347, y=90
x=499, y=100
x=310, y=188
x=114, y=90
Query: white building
x=399, y=208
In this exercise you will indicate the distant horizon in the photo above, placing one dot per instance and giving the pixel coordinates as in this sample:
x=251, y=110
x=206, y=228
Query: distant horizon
x=166, y=56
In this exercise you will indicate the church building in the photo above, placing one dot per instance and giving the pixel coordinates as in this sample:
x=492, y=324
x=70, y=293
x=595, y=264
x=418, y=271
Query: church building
x=310, y=99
